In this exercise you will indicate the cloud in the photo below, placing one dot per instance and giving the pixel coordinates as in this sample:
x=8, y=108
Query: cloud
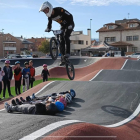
x=101, y=2
x=3, y=5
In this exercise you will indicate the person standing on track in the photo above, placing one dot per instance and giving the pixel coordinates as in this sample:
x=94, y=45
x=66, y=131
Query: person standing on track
x=18, y=77
x=45, y=73
x=1, y=75
x=32, y=73
x=7, y=78
x=26, y=74
x=65, y=19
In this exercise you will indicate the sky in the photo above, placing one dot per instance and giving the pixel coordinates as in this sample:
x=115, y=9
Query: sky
x=22, y=17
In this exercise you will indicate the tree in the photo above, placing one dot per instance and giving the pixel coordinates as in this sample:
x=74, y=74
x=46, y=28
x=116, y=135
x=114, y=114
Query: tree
x=44, y=47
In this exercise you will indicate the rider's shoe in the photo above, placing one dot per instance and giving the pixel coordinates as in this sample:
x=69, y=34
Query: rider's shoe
x=61, y=63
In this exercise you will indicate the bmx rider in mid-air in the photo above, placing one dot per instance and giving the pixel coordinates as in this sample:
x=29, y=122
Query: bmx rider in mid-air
x=65, y=19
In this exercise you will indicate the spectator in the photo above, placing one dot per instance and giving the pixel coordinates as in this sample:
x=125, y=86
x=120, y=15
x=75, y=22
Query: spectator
x=7, y=78
x=45, y=73
x=32, y=73
x=26, y=74
x=1, y=75
x=18, y=77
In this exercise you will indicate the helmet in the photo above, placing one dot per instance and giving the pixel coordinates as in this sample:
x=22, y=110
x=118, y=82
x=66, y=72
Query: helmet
x=46, y=5
x=17, y=62
x=44, y=65
x=72, y=93
x=68, y=98
x=59, y=106
x=63, y=101
x=7, y=62
x=26, y=63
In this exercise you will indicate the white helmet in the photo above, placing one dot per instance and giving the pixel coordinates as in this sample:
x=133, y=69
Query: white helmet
x=46, y=5
x=68, y=98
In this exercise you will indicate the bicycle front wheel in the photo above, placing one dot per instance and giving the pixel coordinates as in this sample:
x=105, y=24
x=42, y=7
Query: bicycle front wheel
x=53, y=48
x=70, y=71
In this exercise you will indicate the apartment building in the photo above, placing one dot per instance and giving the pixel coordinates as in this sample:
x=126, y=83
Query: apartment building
x=13, y=45
x=124, y=34
x=79, y=40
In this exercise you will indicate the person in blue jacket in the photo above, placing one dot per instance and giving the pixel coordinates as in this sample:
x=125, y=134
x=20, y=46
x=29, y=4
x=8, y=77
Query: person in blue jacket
x=7, y=78
x=26, y=74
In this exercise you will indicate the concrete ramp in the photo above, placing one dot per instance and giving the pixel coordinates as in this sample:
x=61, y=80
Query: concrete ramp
x=132, y=65
x=98, y=102
x=78, y=62
x=118, y=76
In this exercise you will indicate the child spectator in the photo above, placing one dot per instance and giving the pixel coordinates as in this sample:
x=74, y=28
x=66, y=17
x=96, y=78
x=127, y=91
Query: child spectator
x=7, y=78
x=26, y=74
x=1, y=75
x=32, y=73
x=18, y=77
x=45, y=73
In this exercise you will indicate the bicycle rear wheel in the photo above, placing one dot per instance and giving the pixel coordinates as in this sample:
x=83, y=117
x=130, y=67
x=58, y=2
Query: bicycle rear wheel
x=70, y=70
x=53, y=48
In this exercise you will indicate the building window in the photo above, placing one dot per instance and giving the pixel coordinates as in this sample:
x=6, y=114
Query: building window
x=135, y=38
x=107, y=39
x=131, y=25
x=86, y=42
x=113, y=39
x=80, y=42
x=134, y=49
x=110, y=27
x=128, y=38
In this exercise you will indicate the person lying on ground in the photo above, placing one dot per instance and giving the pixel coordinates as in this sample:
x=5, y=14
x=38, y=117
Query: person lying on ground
x=35, y=109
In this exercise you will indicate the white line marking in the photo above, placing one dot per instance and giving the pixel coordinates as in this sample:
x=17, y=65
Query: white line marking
x=44, y=87
x=124, y=64
x=2, y=109
x=77, y=137
x=96, y=75
x=135, y=113
x=47, y=129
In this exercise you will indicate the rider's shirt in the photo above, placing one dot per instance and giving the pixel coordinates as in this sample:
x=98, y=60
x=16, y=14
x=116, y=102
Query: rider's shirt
x=62, y=16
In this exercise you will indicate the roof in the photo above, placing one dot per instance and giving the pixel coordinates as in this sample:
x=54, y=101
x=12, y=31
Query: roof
x=121, y=43
x=111, y=23
x=24, y=41
x=120, y=26
x=125, y=20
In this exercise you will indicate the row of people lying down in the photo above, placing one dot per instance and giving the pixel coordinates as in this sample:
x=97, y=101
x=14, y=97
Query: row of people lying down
x=45, y=105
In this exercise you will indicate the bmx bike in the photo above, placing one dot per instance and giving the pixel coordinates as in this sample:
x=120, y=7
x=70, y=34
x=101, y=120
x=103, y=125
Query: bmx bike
x=54, y=47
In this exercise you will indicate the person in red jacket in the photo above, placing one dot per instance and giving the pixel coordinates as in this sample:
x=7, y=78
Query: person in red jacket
x=32, y=73
x=18, y=77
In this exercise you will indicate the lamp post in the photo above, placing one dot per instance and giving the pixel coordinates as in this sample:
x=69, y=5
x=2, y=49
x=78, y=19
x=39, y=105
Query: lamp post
x=90, y=27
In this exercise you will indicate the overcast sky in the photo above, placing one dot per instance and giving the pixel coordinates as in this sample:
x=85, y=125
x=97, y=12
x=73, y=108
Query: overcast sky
x=22, y=17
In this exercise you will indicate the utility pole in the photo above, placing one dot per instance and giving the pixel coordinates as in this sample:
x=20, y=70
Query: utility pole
x=128, y=15
x=90, y=29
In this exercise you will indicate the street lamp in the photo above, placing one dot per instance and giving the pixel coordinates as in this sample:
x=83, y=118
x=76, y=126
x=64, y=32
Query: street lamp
x=90, y=27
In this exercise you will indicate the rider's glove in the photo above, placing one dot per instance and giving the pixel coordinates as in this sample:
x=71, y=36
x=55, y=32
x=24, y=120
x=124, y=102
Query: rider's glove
x=70, y=27
x=47, y=30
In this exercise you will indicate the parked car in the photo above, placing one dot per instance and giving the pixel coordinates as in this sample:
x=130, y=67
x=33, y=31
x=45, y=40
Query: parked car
x=12, y=56
x=26, y=56
x=134, y=55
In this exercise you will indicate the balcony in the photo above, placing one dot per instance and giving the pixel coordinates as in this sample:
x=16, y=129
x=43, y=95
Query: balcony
x=10, y=48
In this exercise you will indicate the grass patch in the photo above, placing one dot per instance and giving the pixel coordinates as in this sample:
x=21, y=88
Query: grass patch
x=35, y=83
